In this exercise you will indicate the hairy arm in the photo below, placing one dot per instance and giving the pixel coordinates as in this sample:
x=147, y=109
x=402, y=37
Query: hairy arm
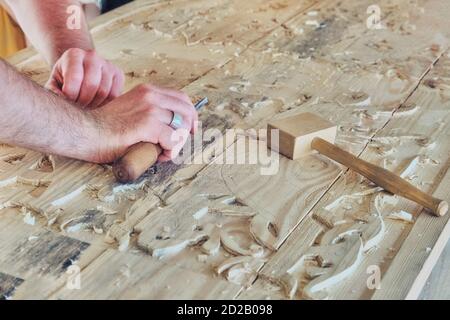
x=35, y=118
x=45, y=24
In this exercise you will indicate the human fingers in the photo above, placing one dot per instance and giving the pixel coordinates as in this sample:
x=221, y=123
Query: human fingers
x=104, y=90
x=91, y=80
x=71, y=68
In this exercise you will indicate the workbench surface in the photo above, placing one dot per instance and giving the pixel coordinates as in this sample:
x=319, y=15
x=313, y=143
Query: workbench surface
x=304, y=229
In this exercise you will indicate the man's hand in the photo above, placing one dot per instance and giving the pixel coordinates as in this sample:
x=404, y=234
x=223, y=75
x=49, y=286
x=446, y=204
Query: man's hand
x=85, y=78
x=143, y=114
x=42, y=121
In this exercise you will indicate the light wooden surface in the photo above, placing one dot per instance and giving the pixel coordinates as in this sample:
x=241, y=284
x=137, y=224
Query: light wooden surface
x=438, y=283
x=299, y=229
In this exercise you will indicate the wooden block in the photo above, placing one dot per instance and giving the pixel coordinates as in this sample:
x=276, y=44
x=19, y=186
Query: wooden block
x=296, y=133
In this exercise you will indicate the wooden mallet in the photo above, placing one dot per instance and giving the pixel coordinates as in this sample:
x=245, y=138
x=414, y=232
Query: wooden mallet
x=301, y=134
x=139, y=157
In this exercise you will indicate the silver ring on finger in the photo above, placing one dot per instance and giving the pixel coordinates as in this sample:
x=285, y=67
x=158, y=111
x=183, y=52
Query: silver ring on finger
x=177, y=121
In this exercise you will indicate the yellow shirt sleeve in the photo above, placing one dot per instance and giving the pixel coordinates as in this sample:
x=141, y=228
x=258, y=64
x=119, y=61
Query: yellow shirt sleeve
x=12, y=38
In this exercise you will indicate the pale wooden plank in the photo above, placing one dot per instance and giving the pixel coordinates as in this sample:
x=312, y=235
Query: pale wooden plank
x=320, y=80
x=116, y=275
x=71, y=205
x=8, y=285
x=418, y=129
x=37, y=256
x=418, y=254
x=154, y=224
x=147, y=15
x=438, y=283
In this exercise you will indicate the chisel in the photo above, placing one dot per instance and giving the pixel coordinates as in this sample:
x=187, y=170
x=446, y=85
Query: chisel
x=140, y=157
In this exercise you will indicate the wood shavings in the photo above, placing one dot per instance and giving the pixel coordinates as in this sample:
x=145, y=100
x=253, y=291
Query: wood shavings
x=366, y=114
x=89, y=220
x=141, y=74
x=382, y=149
x=233, y=211
x=212, y=245
x=410, y=168
x=148, y=27
x=124, y=242
x=45, y=164
x=394, y=141
x=52, y=217
x=172, y=248
x=241, y=274
x=424, y=160
x=200, y=213
x=30, y=182
x=188, y=42
x=106, y=210
x=240, y=270
x=232, y=246
x=355, y=99
x=407, y=110
x=230, y=206
x=372, y=232
x=313, y=23
x=29, y=218
x=74, y=228
x=355, y=196
x=34, y=182
x=24, y=207
x=345, y=259
x=262, y=104
x=161, y=34
x=72, y=195
x=298, y=31
x=290, y=285
x=110, y=194
x=262, y=231
x=227, y=264
x=13, y=158
x=401, y=216
x=338, y=254
x=97, y=230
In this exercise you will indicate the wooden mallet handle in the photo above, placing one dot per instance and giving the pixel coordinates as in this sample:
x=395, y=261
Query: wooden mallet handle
x=381, y=177
x=136, y=161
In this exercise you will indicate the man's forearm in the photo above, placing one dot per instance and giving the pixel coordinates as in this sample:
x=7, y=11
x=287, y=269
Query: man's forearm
x=35, y=118
x=45, y=24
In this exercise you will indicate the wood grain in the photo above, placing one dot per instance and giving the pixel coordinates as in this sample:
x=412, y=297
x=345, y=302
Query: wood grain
x=409, y=145
x=247, y=225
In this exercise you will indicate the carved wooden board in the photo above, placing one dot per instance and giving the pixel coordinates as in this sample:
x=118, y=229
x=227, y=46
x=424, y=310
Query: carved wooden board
x=273, y=228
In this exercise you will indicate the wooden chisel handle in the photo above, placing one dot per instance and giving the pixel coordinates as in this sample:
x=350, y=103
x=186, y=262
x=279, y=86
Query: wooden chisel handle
x=136, y=161
x=140, y=157
x=381, y=177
